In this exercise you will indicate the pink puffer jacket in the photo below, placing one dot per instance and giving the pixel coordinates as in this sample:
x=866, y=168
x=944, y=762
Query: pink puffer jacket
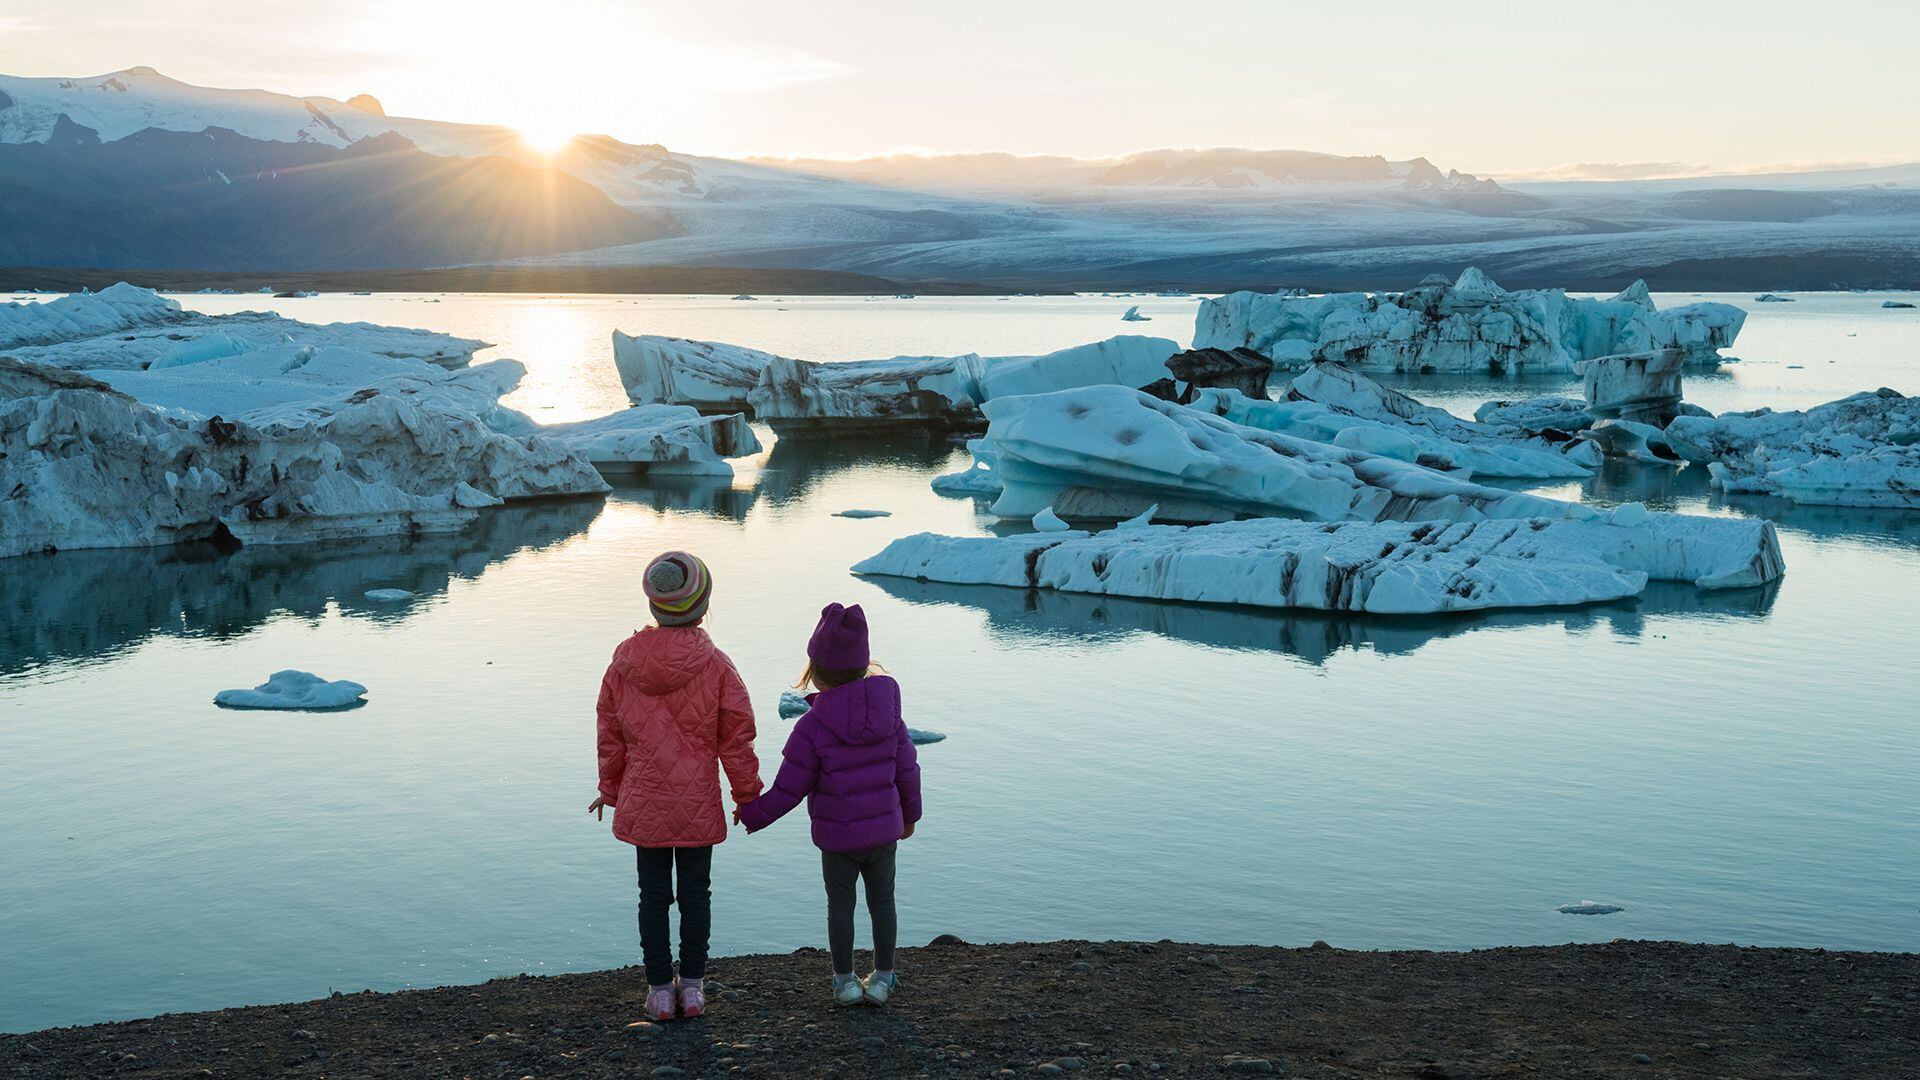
x=672, y=711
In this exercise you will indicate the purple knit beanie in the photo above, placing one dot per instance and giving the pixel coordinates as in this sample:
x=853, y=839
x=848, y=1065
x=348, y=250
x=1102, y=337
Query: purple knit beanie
x=839, y=643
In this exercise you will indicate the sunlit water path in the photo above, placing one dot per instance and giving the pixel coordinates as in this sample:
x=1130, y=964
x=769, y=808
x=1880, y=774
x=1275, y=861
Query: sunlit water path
x=1731, y=767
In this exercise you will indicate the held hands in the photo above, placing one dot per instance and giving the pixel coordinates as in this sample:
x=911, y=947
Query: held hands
x=736, y=811
x=597, y=805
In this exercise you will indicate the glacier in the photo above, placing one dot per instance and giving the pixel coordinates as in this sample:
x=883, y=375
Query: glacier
x=1107, y=452
x=1470, y=326
x=129, y=328
x=1862, y=450
x=1387, y=568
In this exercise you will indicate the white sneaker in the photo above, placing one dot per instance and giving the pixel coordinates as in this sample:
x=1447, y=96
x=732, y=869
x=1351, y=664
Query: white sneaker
x=880, y=986
x=847, y=990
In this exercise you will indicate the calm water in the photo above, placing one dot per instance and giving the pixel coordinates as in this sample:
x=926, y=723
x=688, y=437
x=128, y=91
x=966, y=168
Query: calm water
x=1735, y=767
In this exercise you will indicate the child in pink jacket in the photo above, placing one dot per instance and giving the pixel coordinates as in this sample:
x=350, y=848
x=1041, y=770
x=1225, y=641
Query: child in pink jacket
x=672, y=713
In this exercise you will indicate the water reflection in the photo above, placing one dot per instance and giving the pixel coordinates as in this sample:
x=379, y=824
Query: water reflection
x=1016, y=615
x=89, y=606
x=714, y=497
x=796, y=467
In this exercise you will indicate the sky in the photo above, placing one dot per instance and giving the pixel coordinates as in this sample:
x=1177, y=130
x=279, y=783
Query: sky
x=1616, y=89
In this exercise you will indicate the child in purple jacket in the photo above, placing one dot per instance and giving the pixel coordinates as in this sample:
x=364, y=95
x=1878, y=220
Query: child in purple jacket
x=849, y=756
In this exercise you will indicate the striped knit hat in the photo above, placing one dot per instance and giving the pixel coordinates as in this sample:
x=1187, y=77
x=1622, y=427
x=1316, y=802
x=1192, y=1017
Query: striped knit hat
x=678, y=588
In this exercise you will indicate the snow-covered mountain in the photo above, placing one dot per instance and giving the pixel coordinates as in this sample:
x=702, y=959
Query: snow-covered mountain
x=78, y=152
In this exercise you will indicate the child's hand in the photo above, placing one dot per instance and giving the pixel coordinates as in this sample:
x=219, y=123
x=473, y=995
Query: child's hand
x=596, y=806
x=909, y=831
x=736, y=812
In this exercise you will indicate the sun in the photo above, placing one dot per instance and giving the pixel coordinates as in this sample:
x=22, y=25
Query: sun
x=545, y=139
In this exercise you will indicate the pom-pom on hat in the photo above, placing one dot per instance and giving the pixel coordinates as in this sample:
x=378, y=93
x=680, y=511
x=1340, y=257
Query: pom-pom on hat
x=839, y=642
x=678, y=588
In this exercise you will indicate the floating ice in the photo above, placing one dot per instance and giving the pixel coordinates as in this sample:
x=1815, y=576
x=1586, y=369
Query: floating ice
x=297, y=691
x=921, y=737
x=802, y=397
x=131, y=329
x=388, y=596
x=1105, y=452
x=978, y=478
x=1133, y=315
x=659, y=440
x=1634, y=441
x=1895, y=304
x=1640, y=386
x=862, y=513
x=792, y=704
x=92, y=467
x=1862, y=450
x=1140, y=520
x=1393, y=567
x=1470, y=326
x=1047, y=521
x=1770, y=298
x=1588, y=907
x=707, y=375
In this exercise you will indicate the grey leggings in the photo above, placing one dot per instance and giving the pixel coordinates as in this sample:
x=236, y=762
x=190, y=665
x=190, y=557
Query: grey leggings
x=875, y=867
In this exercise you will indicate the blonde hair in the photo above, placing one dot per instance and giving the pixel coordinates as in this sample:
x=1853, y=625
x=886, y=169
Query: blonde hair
x=827, y=678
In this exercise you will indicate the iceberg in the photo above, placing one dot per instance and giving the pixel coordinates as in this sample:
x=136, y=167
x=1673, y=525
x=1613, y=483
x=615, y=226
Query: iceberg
x=1631, y=440
x=1227, y=369
x=658, y=440
x=1133, y=315
x=923, y=392
x=1469, y=326
x=1549, y=416
x=1771, y=298
x=707, y=375
x=133, y=329
x=862, y=514
x=1644, y=387
x=792, y=704
x=1388, y=568
x=1588, y=907
x=297, y=691
x=1895, y=304
x=388, y=596
x=1476, y=448
x=1862, y=450
x=922, y=737
x=91, y=466
x=1107, y=452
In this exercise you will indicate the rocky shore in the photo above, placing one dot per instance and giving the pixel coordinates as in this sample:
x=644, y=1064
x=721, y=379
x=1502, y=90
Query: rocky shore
x=1627, y=1009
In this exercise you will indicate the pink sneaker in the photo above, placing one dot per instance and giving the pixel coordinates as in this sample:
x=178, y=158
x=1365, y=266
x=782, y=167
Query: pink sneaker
x=693, y=998
x=661, y=1001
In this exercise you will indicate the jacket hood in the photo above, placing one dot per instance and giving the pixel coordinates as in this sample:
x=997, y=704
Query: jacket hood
x=662, y=659
x=863, y=711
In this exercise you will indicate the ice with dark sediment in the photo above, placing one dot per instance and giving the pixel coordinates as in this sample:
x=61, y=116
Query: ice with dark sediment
x=707, y=375
x=1862, y=450
x=808, y=397
x=1390, y=567
x=1107, y=452
x=1470, y=325
x=657, y=440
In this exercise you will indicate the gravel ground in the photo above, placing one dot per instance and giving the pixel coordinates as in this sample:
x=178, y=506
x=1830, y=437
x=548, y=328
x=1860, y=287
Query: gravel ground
x=1627, y=1009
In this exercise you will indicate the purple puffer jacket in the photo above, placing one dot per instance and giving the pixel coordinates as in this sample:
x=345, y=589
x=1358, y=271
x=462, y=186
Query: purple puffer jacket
x=850, y=758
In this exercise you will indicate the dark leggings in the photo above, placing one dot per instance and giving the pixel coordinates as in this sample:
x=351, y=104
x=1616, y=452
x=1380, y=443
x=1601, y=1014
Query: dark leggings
x=875, y=867
x=657, y=894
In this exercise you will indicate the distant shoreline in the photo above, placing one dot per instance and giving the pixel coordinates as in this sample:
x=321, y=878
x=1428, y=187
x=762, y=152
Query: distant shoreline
x=1728, y=274
x=723, y=281
x=1625, y=1009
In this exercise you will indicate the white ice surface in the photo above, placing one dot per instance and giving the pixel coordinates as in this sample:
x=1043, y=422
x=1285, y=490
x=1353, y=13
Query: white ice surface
x=295, y=691
x=1862, y=450
x=1471, y=326
x=708, y=375
x=1392, y=567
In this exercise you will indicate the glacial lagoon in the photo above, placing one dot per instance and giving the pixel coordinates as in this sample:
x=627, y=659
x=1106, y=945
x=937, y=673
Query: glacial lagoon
x=1734, y=766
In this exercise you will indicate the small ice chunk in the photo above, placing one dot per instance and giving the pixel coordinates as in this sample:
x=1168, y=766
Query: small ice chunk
x=1895, y=304
x=792, y=704
x=1588, y=907
x=388, y=596
x=295, y=690
x=863, y=513
x=1133, y=315
x=1140, y=520
x=922, y=738
x=1629, y=515
x=1048, y=521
